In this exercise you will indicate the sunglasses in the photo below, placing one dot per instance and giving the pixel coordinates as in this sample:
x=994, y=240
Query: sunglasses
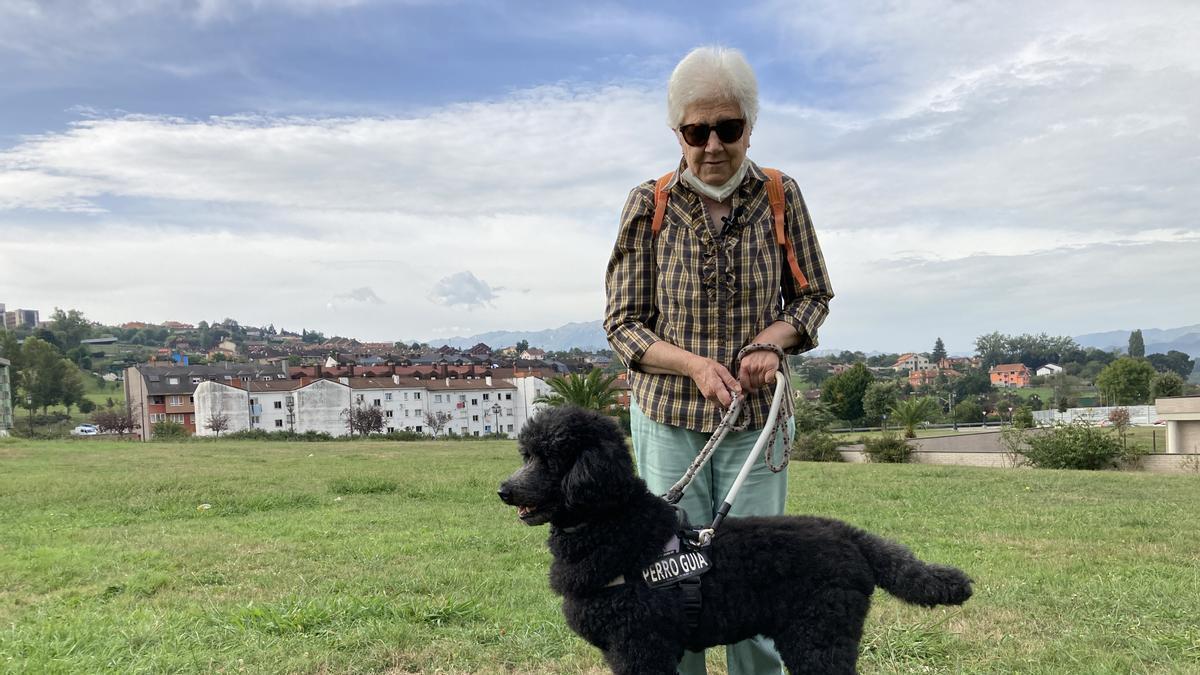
x=696, y=135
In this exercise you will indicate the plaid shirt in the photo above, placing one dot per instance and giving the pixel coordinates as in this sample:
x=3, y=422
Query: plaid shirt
x=709, y=292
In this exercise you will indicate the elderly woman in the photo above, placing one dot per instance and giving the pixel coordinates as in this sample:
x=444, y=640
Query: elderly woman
x=686, y=293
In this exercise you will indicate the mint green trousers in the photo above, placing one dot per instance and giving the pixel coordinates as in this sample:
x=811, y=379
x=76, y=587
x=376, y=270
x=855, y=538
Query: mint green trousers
x=663, y=454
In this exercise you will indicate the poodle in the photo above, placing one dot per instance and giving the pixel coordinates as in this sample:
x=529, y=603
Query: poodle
x=803, y=581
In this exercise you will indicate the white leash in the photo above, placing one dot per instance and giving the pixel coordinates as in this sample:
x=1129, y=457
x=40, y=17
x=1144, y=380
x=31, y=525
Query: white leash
x=775, y=423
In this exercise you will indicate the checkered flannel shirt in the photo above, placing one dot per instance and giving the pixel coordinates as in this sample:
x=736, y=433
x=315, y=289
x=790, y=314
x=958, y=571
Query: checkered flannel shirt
x=708, y=291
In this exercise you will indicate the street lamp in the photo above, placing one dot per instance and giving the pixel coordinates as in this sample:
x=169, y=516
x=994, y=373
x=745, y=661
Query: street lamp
x=29, y=407
x=291, y=414
x=496, y=416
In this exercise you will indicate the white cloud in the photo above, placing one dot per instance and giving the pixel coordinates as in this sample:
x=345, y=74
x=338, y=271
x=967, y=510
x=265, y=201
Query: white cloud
x=463, y=289
x=1011, y=164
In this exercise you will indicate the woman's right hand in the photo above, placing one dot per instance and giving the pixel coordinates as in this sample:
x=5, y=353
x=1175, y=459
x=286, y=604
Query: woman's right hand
x=714, y=380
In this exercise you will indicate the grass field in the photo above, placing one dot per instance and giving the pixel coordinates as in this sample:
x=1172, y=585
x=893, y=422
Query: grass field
x=397, y=557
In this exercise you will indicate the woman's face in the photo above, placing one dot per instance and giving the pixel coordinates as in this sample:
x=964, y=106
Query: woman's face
x=715, y=162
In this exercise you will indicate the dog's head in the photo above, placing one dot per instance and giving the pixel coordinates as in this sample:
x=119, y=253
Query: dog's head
x=576, y=465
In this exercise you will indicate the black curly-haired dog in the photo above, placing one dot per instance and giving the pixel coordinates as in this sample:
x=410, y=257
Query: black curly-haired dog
x=805, y=582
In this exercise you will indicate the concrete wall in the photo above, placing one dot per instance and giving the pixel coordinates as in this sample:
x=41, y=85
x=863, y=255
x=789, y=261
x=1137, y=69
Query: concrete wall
x=319, y=407
x=136, y=401
x=984, y=449
x=212, y=398
x=1139, y=415
x=6, y=397
x=528, y=389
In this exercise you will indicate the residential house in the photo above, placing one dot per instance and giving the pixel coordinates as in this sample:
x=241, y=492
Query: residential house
x=922, y=378
x=274, y=405
x=960, y=362
x=532, y=354
x=402, y=400
x=157, y=393
x=911, y=362
x=1049, y=369
x=1010, y=375
x=478, y=407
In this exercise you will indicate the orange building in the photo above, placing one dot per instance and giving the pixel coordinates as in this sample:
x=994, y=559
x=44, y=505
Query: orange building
x=1010, y=375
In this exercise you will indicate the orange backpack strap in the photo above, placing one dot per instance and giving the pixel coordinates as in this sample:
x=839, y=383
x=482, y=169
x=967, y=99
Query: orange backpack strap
x=775, y=194
x=660, y=203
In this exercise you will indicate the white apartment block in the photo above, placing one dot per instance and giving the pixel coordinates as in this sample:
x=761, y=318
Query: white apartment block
x=477, y=407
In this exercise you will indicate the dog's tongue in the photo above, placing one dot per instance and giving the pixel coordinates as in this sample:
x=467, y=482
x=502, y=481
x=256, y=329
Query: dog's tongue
x=523, y=511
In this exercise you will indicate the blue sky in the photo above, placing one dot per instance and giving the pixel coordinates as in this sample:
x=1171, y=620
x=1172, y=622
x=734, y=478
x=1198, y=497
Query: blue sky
x=415, y=170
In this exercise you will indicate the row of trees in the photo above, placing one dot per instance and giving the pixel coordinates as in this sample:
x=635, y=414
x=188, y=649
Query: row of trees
x=42, y=376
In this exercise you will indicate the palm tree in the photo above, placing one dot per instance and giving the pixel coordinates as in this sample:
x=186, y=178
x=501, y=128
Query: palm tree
x=593, y=391
x=912, y=411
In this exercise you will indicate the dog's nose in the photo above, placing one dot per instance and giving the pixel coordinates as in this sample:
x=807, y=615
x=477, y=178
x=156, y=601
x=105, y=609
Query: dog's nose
x=505, y=494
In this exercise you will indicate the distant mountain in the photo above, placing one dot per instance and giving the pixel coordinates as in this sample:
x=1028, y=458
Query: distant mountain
x=586, y=336
x=1158, y=341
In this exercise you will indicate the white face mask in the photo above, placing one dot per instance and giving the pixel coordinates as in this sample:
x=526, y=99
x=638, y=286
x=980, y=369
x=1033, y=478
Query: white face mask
x=718, y=193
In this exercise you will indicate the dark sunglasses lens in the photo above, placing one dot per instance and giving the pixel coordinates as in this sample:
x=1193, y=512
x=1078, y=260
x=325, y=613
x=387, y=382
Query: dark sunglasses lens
x=696, y=135
x=730, y=130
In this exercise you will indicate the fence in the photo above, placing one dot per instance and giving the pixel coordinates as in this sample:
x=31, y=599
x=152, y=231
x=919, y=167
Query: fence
x=1139, y=415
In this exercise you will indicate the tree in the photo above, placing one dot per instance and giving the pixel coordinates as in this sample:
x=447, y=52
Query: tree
x=1174, y=361
x=42, y=373
x=217, y=422
x=968, y=411
x=593, y=391
x=437, y=421
x=843, y=393
x=815, y=373
x=912, y=411
x=522, y=345
x=70, y=327
x=1137, y=346
x=878, y=399
x=1166, y=384
x=71, y=386
x=991, y=348
x=1126, y=381
x=117, y=421
x=363, y=419
x=939, y=351
x=1121, y=421
x=972, y=383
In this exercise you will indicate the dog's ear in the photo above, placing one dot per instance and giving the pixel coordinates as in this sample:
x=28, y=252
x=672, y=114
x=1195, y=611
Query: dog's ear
x=602, y=474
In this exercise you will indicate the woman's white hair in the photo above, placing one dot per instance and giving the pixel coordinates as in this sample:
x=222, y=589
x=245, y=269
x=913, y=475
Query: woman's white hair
x=712, y=74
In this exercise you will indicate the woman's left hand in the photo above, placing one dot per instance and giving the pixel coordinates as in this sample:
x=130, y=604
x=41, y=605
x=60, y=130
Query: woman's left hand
x=757, y=369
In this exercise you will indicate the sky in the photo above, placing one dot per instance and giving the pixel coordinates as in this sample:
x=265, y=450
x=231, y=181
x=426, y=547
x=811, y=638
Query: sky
x=414, y=170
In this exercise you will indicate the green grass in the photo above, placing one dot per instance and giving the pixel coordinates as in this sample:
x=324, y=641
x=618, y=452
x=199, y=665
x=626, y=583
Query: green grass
x=396, y=558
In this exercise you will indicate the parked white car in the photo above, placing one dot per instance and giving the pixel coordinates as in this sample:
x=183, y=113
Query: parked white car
x=85, y=430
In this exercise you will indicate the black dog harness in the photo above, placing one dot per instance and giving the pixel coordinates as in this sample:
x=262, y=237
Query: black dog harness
x=685, y=557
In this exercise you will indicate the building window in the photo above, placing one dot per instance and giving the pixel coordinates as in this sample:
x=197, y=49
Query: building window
x=464, y=431
x=255, y=420
x=474, y=401
x=417, y=395
x=387, y=396
x=175, y=401
x=485, y=397
x=474, y=418
x=358, y=399
x=419, y=429
x=177, y=418
x=417, y=412
x=406, y=396
x=462, y=398
x=377, y=403
x=406, y=412
x=510, y=427
x=172, y=380
x=278, y=423
x=279, y=405
x=437, y=398
x=195, y=380
x=390, y=413
x=476, y=433
x=487, y=428
x=508, y=397
x=391, y=429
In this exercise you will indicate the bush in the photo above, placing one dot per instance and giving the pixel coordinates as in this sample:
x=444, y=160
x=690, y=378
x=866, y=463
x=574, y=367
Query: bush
x=1023, y=417
x=403, y=436
x=887, y=448
x=816, y=446
x=169, y=431
x=1073, y=446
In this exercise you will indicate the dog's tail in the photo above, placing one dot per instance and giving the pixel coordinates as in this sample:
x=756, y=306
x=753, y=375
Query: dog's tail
x=900, y=573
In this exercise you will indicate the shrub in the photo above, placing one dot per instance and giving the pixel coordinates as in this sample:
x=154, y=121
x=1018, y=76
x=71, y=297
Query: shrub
x=1073, y=446
x=816, y=446
x=403, y=436
x=1023, y=417
x=169, y=431
x=887, y=448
